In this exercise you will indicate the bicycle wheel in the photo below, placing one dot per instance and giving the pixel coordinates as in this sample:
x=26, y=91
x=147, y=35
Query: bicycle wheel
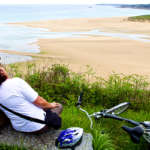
x=118, y=109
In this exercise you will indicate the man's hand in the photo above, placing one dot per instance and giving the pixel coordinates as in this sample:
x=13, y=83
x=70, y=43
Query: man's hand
x=54, y=105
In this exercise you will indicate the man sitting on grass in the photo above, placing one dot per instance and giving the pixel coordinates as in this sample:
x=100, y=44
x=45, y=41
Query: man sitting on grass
x=18, y=96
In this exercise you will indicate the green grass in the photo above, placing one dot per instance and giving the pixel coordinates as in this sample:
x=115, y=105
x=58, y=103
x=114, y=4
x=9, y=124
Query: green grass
x=140, y=18
x=58, y=83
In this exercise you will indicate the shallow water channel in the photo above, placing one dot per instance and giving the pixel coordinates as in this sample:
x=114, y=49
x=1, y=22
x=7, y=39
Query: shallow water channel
x=23, y=39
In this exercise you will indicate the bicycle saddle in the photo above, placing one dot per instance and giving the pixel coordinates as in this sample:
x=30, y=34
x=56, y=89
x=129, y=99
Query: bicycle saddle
x=135, y=133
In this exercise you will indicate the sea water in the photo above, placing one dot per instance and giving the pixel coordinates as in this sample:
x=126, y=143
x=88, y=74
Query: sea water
x=6, y=58
x=21, y=13
x=21, y=38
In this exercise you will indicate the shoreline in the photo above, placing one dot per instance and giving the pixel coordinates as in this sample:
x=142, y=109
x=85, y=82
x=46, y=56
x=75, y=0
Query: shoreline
x=104, y=54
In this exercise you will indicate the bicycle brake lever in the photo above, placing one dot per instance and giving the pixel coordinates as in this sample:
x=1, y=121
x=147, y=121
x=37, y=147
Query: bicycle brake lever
x=77, y=104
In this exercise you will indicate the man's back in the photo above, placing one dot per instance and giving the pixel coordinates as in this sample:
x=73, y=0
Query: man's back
x=18, y=96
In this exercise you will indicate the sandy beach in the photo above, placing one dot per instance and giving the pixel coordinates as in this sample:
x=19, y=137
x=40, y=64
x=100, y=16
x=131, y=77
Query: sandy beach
x=104, y=54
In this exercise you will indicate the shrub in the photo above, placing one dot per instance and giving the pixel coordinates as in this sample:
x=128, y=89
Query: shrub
x=58, y=83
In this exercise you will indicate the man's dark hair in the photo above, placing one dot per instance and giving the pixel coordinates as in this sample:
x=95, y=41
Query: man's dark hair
x=2, y=76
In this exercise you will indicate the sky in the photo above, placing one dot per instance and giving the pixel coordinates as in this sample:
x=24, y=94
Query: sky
x=74, y=1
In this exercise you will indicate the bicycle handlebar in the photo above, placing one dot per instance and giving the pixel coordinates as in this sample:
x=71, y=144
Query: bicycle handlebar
x=78, y=105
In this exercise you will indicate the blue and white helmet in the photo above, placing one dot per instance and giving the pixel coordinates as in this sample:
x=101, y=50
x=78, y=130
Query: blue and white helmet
x=69, y=137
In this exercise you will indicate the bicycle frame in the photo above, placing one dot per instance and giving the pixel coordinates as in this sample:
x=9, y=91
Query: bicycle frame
x=103, y=114
x=140, y=129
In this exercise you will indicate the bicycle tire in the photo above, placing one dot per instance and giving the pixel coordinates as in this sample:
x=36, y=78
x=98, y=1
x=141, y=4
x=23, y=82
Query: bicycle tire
x=118, y=109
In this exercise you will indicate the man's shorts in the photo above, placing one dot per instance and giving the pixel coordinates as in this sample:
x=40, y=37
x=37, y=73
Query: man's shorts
x=52, y=119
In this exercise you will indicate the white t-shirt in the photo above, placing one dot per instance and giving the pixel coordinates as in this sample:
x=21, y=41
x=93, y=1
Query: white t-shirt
x=18, y=96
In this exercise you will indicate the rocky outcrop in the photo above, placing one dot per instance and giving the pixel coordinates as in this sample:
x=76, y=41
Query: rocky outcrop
x=45, y=141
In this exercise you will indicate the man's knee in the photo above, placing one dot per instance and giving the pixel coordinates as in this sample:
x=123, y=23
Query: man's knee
x=52, y=119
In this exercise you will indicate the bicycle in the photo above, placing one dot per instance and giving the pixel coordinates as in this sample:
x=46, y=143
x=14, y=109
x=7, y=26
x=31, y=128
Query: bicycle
x=140, y=129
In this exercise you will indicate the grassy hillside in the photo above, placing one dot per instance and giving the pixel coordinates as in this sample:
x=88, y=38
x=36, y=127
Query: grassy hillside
x=140, y=18
x=59, y=83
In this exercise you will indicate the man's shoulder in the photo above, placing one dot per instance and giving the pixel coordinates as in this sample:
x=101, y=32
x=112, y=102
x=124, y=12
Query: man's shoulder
x=17, y=79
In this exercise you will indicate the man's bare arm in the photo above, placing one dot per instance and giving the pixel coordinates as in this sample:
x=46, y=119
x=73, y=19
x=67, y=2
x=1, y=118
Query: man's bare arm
x=42, y=103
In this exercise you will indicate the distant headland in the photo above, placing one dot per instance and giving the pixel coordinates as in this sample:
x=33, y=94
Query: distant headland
x=134, y=6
